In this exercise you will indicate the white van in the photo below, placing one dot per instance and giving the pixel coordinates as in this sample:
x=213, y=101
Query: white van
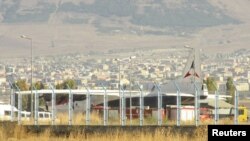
x=44, y=116
x=5, y=111
x=25, y=115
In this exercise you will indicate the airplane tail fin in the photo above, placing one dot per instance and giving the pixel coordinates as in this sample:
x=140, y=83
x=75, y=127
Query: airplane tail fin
x=192, y=68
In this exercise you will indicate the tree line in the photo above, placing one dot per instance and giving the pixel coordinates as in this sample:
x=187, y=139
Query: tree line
x=26, y=99
x=230, y=88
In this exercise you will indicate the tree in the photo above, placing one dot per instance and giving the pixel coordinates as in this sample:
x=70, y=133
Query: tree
x=26, y=99
x=230, y=89
x=22, y=85
x=67, y=83
x=39, y=85
x=211, y=85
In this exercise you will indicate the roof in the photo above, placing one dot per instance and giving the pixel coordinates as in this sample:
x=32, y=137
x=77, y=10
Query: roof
x=184, y=86
x=221, y=103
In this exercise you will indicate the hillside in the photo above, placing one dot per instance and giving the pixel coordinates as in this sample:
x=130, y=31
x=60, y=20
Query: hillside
x=65, y=26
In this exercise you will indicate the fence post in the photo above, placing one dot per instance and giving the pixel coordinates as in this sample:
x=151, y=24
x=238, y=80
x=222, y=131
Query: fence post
x=216, y=105
x=197, y=105
x=141, y=105
x=236, y=108
x=123, y=108
x=12, y=101
x=178, y=102
x=159, y=104
x=120, y=104
x=19, y=105
x=53, y=104
x=36, y=105
x=70, y=112
x=216, y=116
x=105, y=107
x=87, y=106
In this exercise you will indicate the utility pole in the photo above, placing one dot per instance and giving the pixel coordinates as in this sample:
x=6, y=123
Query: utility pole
x=31, y=76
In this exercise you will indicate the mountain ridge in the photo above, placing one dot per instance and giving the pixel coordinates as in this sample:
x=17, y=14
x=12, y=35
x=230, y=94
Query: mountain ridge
x=157, y=14
x=64, y=26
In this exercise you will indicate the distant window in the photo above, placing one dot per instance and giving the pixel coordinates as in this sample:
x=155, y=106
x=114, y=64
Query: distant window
x=241, y=112
x=40, y=115
x=46, y=115
x=6, y=113
x=16, y=113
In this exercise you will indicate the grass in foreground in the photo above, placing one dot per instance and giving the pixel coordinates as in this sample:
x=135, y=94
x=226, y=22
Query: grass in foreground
x=96, y=119
x=19, y=134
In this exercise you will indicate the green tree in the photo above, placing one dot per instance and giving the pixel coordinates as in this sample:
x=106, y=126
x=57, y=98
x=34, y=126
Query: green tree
x=39, y=86
x=71, y=83
x=26, y=99
x=230, y=89
x=211, y=85
x=22, y=85
x=67, y=83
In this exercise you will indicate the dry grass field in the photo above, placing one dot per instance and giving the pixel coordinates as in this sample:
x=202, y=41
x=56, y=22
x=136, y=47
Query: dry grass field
x=96, y=119
x=18, y=133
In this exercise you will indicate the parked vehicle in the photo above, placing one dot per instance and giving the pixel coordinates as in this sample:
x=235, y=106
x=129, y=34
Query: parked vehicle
x=207, y=114
x=5, y=111
x=242, y=113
